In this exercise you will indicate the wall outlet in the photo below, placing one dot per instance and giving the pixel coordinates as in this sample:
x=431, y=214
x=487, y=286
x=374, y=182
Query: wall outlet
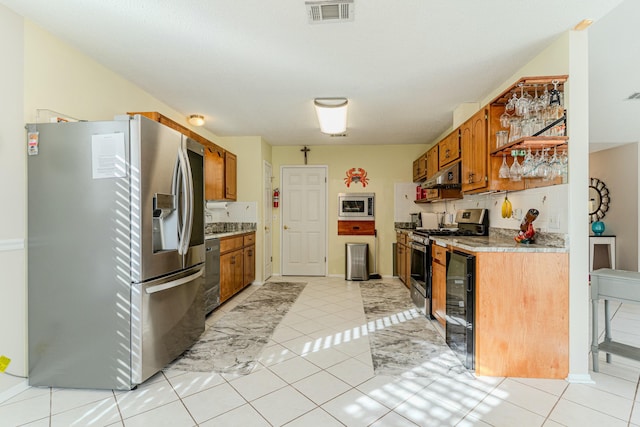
x=554, y=222
x=517, y=214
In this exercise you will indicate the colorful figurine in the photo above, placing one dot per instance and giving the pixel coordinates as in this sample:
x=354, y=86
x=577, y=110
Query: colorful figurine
x=527, y=233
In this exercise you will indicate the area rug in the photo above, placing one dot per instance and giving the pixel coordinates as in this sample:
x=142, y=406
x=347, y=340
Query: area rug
x=234, y=342
x=403, y=342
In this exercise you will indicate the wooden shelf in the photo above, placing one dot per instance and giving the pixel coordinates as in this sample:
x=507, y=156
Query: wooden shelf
x=529, y=87
x=533, y=142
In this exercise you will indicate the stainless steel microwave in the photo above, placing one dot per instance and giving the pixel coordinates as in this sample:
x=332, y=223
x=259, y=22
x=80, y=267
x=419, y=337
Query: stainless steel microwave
x=356, y=206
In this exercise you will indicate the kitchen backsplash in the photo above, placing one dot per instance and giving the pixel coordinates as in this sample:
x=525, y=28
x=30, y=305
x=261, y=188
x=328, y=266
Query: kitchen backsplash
x=225, y=227
x=550, y=201
x=231, y=212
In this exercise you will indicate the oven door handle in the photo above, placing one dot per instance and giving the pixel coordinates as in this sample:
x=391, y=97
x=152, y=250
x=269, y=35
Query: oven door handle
x=418, y=246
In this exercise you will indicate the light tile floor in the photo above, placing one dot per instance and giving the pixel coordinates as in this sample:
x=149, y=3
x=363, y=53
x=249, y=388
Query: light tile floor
x=317, y=371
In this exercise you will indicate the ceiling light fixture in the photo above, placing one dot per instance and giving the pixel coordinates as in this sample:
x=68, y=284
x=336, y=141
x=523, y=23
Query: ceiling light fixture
x=583, y=25
x=332, y=114
x=196, y=119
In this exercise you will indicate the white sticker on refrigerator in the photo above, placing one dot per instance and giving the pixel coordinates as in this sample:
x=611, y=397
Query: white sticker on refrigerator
x=32, y=144
x=108, y=158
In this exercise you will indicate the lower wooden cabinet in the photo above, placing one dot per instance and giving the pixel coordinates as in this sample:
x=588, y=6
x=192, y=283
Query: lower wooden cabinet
x=521, y=321
x=439, y=283
x=237, y=264
x=249, y=259
x=403, y=258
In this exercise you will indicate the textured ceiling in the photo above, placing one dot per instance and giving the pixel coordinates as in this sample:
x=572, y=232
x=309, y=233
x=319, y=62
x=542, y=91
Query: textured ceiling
x=253, y=67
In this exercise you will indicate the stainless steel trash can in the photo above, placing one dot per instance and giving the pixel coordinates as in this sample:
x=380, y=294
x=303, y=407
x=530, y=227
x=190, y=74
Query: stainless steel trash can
x=357, y=261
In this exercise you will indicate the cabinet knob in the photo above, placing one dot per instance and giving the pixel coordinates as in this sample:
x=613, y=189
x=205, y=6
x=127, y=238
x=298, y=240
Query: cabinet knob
x=285, y=227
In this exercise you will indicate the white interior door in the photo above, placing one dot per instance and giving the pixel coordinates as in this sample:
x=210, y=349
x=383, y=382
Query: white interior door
x=304, y=220
x=268, y=221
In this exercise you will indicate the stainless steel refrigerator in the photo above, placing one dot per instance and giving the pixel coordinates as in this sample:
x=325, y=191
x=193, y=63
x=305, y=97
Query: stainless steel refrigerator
x=115, y=251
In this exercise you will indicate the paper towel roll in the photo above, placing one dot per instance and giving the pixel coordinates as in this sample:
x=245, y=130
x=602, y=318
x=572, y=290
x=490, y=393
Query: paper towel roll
x=216, y=205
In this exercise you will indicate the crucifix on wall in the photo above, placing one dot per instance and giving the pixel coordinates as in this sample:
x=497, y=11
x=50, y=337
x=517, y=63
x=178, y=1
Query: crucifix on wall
x=305, y=150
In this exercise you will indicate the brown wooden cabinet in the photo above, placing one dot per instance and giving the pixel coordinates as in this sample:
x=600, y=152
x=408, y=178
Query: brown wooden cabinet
x=432, y=161
x=220, y=174
x=521, y=314
x=449, y=150
x=473, y=142
x=403, y=258
x=439, y=283
x=230, y=176
x=237, y=264
x=356, y=228
x=249, y=259
x=420, y=168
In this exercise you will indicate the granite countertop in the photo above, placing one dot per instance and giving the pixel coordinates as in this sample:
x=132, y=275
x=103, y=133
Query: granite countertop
x=226, y=234
x=499, y=240
x=496, y=244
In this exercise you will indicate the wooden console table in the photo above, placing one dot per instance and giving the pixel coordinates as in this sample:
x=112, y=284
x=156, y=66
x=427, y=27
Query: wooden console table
x=617, y=285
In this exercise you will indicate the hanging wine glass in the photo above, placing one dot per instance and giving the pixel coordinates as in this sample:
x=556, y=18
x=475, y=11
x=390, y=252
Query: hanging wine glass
x=544, y=170
x=527, y=164
x=505, y=119
x=515, y=171
x=511, y=104
x=523, y=103
x=555, y=163
x=504, y=169
x=537, y=105
x=537, y=161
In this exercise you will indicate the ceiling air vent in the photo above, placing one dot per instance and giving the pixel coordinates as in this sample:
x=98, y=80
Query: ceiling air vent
x=323, y=12
x=634, y=96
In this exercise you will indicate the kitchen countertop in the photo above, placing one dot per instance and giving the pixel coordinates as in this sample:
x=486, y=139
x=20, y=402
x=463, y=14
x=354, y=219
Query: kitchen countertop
x=227, y=234
x=495, y=244
x=499, y=242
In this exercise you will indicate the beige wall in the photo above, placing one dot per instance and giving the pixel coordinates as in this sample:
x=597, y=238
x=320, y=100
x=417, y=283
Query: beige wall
x=621, y=219
x=13, y=190
x=251, y=151
x=385, y=165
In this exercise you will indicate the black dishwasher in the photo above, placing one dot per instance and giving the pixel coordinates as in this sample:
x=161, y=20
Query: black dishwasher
x=212, y=275
x=460, y=306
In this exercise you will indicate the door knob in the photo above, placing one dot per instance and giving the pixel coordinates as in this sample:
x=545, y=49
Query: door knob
x=285, y=227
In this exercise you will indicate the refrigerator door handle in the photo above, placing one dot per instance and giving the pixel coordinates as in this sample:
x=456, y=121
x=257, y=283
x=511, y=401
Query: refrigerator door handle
x=173, y=283
x=182, y=249
x=189, y=214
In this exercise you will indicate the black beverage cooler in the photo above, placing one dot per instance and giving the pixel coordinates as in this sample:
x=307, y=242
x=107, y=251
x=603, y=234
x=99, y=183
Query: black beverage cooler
x=460, y=306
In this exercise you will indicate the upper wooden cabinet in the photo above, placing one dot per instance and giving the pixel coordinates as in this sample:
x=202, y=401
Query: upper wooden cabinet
x=220, y=174
x=220, y=166
x=473, y=141
x=420, y=168
x=230, y=175
x=432, y=162
x=449, y=150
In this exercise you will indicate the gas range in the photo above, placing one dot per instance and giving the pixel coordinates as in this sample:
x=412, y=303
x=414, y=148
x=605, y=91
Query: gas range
x=470, y=222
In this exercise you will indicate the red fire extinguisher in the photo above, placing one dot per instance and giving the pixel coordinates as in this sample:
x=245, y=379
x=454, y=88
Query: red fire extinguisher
x=276, y=198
